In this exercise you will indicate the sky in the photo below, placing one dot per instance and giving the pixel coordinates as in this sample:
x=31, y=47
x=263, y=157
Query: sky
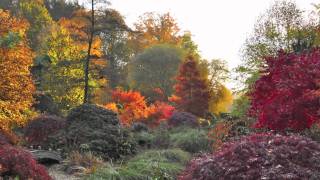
x=219, y=27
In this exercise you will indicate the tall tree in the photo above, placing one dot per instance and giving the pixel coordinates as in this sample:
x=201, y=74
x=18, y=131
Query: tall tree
x=154, y=29
x=62, y=76
x=38, y=17
x=62, y=8
x=192, y=92
x=116, y=48
x=155, y=68
x=287, y=95
x=16, y=85
x=274, y=30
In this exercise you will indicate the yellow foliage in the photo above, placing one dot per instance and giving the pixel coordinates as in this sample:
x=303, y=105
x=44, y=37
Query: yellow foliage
x=112, y=107
x=221, y=103
x=16, y=85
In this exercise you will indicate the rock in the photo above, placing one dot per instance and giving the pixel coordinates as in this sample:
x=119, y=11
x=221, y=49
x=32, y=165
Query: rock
x=46, y=157
x=76, y=170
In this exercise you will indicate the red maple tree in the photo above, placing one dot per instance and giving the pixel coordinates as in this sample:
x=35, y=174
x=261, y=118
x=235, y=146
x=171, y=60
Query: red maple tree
x=287, y=94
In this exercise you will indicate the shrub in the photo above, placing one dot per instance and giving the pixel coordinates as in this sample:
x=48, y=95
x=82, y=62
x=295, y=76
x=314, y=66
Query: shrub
x=16, y=162
x=86, y=160
x=259, y=156
x=144, y=139
x=219, y=134
x=287, y=94
x=159, y=112
x=190, y=140
x=45, y=104
x=183, y=119
x=130, y=105
x=39, y=129
x=96, y=129
x=161, y=137
x=153, y=164
x=139, y=127
x=8, y=138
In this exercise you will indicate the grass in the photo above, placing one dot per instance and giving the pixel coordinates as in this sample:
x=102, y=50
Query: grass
x=151, y=164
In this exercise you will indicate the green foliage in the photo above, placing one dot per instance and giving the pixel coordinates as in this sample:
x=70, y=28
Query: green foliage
x=116, y=49
x=10, y=40
x=61, y=78
x=144, y=72
x=240, y=106
x=281, y=27
x=61, y=8
x=192, y=140
x=95, y=129
x=37, y=15
x=153, y=164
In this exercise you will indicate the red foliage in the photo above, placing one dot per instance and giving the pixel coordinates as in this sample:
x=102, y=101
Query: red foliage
x=259, y=156
x=17, y=162
x=191, y=91
x=159, y=112
x=38, y=130
x=287, y=94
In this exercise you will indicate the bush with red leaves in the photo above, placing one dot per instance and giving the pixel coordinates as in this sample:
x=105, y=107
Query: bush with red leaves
x=259, y=156
x=183, y=119
x=17, y=162
x=287, y=94
x=38, y=130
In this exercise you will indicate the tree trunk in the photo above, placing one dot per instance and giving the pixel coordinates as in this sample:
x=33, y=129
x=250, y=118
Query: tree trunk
x=87, y=61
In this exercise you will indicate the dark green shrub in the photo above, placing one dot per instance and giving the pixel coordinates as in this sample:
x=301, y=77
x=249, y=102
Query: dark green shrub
x=183, y=119
x=45, y=104
x=144, y=139
x=161, y=138
x=96, y=129
x=190, y=139
x=139, y=127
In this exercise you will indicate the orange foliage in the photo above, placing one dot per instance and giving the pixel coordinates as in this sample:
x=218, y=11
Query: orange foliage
x=219, y=134
x=79, y=27
x=155, y=29
x=159, y=112
x=132, y=107
x=16, y=85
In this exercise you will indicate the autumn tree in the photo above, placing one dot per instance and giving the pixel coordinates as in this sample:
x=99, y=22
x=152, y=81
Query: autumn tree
x=61, y=8
x=16, y=86
x=60, y=67
x=286, y=96
x=282, y=26
x=156, y=67
x=223, y=102
x=154, y=29
x=192, y=92
x=38, y=17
